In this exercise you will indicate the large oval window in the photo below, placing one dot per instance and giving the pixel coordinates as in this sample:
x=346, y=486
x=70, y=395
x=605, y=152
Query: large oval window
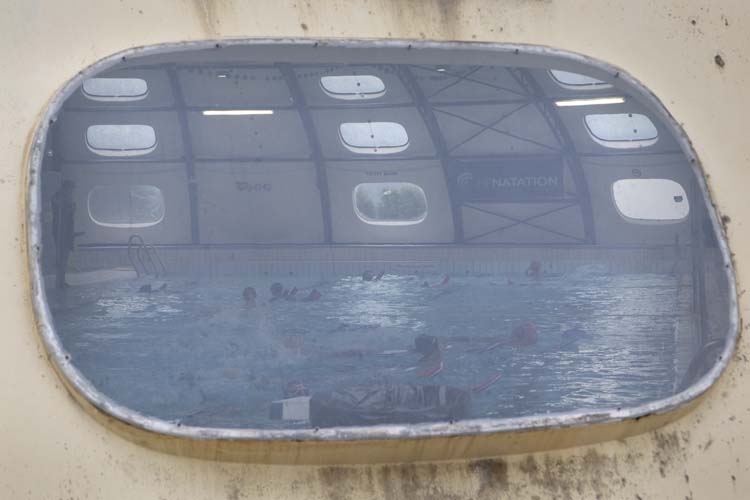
x=468, y=241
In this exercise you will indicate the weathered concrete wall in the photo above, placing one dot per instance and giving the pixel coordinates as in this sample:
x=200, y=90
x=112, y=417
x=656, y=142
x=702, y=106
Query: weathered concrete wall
x=52, y=449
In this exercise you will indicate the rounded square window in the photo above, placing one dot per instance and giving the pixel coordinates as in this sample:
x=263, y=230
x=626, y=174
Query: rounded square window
x=515, y=268
x=115, y=89
x=651, y=200
x=622, y=130
x=126, y=206
x=390, y=203
x=121, y=140
x=351, y=87
x=377, y=138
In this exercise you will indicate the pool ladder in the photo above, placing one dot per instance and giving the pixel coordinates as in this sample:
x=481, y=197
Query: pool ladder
x=152, y=265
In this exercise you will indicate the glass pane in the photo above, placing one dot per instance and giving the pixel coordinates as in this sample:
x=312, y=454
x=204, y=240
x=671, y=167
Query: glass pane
x=390, y=203
x=576, y=81
x=115, y=89
x=624, y=130
x=121, y=140
x=125, y=206
x=374, y=137
x=651, y=199
x=353, y=86
x=277, y=266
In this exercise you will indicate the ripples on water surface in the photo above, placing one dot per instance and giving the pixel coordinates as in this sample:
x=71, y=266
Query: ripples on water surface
x=194, y=352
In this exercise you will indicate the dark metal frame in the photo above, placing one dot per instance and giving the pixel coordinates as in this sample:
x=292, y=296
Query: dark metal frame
x=525, y=221
x=299, y=100
x=438, y=141
x=525, y=80
x=556, y=125
x=187, y=146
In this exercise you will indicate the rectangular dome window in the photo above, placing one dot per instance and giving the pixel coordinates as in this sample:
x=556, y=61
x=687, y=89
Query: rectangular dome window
x=121, y=140
x=126, y=206
x=350, y=87
x=115, y=89
x=622, y=130
x=390, y=203
x=577, y=81
x=650, y=200
x=374, y=137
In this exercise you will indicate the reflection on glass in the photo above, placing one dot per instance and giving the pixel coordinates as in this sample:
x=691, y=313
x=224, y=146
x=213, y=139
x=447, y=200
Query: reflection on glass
x=374, y=137
x=121, y=140
x=651, y=199
x=390, y=203
x=577, y=81
x=349, y=87
x=115, y=89
x=623, y=130
x=126, y=206
x=482, y=282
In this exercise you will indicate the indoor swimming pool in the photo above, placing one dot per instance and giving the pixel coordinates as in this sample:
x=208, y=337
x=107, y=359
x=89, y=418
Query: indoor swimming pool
x=196, y=352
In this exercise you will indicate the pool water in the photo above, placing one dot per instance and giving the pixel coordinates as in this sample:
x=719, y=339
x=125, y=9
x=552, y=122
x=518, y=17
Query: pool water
x=194, y=353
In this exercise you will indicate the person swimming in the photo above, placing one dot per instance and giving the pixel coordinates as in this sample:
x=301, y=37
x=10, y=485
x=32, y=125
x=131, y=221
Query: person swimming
x=312, y=296
x=524, y=335
x=443, y=283
x=295, y=388
x=371, y=276
x=148, y=288
x=431, y=362
x=278, y=292
x=534, y=271
x=249, y=295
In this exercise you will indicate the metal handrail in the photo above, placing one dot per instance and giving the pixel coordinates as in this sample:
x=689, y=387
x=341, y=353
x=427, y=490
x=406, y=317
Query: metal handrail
x=148, y=270
x=151, y=249
x=131, y=242
x=135, y=242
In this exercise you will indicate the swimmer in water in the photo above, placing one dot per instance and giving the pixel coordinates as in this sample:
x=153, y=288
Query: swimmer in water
x=443, y=283
x=534, y=271
x=295, y=388
x=249, y=295
x=431, y=362
x=523, y=335
x=370, y=276
x=278, y=292
x=312, y=296
x=147, y=288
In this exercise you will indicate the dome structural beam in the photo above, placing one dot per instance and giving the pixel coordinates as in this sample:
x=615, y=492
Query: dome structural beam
x=188, y=153
x=441, y=147
x=316, y=151
x=570, y=155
